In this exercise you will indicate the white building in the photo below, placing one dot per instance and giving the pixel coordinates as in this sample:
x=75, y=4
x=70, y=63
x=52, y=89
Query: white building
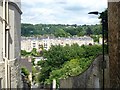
x=29, y=43
x=10, y=34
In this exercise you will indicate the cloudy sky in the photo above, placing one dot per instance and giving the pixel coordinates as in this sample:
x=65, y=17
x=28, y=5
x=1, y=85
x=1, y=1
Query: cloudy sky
x=61, y=11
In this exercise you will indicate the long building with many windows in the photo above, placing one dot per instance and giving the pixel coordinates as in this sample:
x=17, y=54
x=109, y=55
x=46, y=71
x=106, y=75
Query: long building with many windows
x=28, y=43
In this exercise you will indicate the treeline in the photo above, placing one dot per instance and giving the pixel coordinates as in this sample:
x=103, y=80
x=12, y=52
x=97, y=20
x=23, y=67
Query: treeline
x=60, y=30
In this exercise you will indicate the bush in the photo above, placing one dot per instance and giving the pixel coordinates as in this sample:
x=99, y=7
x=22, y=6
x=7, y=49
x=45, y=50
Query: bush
x=25, y=71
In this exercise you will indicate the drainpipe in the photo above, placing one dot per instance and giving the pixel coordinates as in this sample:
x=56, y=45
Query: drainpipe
x=4, y=29
x=4, y=44
x=7, y=30
x=7, y=44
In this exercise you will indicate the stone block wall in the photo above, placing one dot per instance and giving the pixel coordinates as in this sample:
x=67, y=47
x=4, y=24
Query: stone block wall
x=2, y=74
x=114, y=42
x=14, y=76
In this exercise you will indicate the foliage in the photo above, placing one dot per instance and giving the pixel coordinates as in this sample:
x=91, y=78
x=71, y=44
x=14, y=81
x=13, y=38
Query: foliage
x=92, y=51
x=33, y=62
x=57, y=55
x=60, y=33
x=32, y=53
x=24, y=53
x=25, y=71
x=96, y=38
x=27, y=29
x=34, y=71
x=63, y=62
x=70, y=68
x=44, y=74
x=59, y=30
x=88, y=31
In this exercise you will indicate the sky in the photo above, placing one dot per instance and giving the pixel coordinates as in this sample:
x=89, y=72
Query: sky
x=61, y=11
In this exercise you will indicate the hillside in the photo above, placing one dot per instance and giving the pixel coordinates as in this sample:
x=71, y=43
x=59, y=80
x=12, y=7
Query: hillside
x=59, y=30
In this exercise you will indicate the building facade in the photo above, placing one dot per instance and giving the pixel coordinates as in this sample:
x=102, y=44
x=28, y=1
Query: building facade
x=10, y=34
x=45, y=43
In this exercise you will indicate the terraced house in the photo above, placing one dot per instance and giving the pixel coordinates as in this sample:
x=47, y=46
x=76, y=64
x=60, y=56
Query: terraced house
x=10, y=32
x=28, y=43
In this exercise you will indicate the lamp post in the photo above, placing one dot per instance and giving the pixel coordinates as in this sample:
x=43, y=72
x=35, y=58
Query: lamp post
x=103, y=58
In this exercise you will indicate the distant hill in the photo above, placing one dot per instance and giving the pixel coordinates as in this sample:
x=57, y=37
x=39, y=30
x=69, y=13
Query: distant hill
x=59, y=30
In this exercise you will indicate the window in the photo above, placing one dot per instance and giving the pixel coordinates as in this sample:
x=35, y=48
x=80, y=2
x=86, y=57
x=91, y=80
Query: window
x=34, y=44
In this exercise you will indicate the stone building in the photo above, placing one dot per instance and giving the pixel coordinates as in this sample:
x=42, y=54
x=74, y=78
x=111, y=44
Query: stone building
x=29, y=43
x=10, y=33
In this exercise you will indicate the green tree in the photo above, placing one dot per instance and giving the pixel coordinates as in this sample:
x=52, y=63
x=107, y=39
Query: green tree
x=92, y=51
x=60, y=33
x=58, y=30
x=34, y=52
x=25, y=53
x=88, y=31
x=73, y=67
x=62, y=62
x=24, y=71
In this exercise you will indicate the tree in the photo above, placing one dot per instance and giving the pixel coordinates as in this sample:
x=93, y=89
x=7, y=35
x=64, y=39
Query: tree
x=58, y=30
x=88, y=31
x=25, y=53
x=27, y=29
x=60, y=33
x=33, y=62
x=25, y=71
x=62, y=62
x=73, y=67
x=92, y=51
x=34, y=71
x=34, y=52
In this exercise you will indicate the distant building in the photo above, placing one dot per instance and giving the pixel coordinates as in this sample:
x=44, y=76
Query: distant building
x=10, y=34
x=100, y=40
x=45, y=43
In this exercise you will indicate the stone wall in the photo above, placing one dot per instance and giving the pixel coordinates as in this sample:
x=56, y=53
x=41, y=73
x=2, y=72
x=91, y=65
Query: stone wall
x=14, y=76
x=114, y=42
x=91, y=78
x=2, y=73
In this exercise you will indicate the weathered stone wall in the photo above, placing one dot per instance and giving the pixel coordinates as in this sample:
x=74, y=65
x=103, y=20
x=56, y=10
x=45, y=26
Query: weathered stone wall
x=91, y=78
x=1, y=36
x=14, y=76
x=114, y=43
x=2, y=73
